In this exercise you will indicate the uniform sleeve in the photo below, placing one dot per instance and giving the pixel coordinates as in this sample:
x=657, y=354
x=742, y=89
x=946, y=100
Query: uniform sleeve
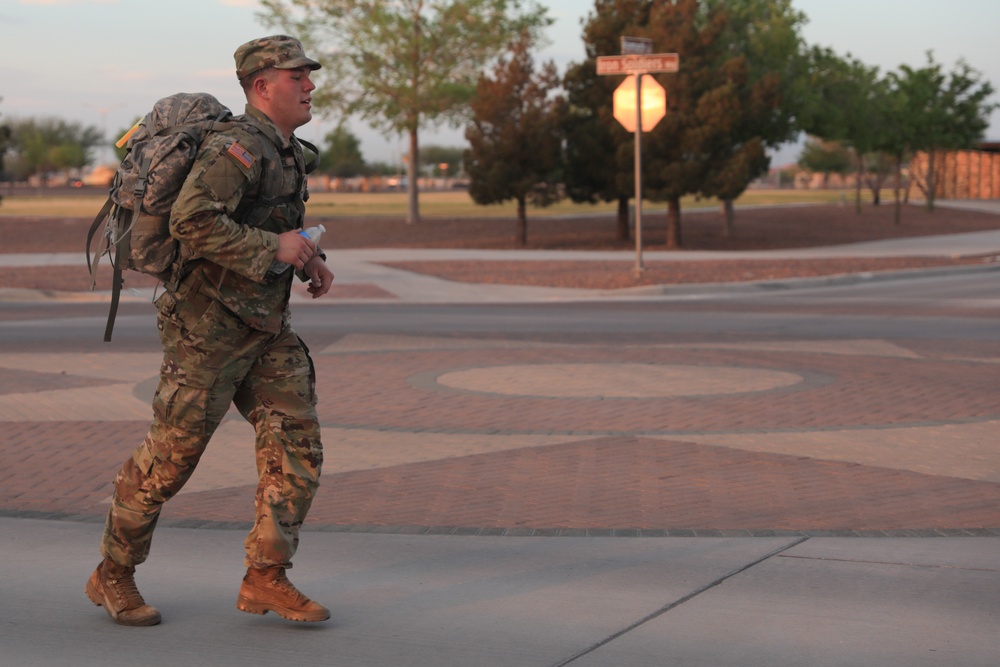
x=202, y=216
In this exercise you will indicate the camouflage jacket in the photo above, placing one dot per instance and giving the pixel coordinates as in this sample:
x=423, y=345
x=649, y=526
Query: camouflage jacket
x=246, y=187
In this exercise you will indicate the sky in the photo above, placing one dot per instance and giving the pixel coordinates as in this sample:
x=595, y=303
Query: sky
x=105, y=62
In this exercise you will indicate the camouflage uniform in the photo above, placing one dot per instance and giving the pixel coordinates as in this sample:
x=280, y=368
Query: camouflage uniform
x=227, y=340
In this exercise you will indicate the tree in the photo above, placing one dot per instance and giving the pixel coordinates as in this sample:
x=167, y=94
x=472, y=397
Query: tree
x=40, y=146
x=597, y=168
x=763, y=65
x=403, y=64
x=894, y=140
x=944, y=112
x=514, y=139
x=5, y=139
x=864, y=119
x=735, y=153
x=830, y=84
x=848, y=105
x=434, y=156
x=825, y=157
x=341, y=157
x=868, y=122
x=701, y=104
x=877, y=167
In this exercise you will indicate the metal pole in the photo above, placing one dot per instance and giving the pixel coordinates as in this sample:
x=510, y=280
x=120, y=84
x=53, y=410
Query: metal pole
x=638, y=176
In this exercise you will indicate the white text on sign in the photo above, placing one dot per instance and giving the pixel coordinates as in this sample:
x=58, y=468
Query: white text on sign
x=633, y=64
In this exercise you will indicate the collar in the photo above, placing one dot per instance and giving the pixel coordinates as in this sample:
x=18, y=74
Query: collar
x=271, y=129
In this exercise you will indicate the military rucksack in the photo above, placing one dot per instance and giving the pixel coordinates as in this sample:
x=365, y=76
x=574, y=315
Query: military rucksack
x=133, y=226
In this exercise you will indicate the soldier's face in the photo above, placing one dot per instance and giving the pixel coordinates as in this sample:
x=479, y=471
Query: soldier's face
x=290, y=99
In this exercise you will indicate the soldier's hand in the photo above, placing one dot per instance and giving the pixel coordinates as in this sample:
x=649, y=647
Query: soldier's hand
x=294, y=249
x=320, y=277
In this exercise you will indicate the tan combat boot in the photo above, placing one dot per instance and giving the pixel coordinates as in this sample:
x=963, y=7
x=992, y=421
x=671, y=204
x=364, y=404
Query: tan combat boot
x=112, y=586
x=268, y=589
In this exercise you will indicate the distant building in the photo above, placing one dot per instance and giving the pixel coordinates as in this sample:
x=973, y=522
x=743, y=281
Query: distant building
x=972, y=174
x=101, y=175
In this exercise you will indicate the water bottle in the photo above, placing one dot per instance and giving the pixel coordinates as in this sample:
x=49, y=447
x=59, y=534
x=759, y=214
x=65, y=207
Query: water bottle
x=312, y=233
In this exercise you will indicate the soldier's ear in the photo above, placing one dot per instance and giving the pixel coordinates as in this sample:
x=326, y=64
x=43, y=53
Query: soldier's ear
x=262, y=87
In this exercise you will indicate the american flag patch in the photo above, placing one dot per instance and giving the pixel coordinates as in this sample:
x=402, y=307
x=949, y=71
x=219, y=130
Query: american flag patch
x=241, y=155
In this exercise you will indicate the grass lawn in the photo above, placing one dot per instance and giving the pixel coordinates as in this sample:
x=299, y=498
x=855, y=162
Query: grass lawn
x=450, y=204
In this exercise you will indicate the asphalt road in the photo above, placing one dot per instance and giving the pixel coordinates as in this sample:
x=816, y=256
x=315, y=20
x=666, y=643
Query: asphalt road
x=951, y=305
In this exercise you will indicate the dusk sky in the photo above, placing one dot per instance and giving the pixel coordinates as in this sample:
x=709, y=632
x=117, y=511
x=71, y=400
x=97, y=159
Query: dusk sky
x=104, y=62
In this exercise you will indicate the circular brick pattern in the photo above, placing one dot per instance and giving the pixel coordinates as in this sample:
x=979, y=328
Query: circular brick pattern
x=627, y=380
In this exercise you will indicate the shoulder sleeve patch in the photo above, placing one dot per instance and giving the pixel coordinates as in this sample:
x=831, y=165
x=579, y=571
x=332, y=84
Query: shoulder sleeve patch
x=241, y=155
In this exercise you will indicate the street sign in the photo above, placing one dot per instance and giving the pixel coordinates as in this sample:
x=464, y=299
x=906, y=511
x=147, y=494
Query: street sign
x=654, y=103
x=637, y=46
x=640, y=103
x=638, y=64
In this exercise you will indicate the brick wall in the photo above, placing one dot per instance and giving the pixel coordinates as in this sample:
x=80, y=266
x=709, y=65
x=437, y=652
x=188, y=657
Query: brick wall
x=961, y=174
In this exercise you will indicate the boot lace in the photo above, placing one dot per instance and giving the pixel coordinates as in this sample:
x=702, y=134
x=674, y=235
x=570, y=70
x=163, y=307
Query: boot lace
x=281, y=583
x=123, y=584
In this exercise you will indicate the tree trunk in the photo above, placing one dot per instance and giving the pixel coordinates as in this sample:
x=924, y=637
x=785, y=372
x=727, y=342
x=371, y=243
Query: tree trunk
x=931, y=180
x=522, y=221
x=897, y=186
x=623, y=216
x=727, y=214
x=413, y=211
x=674, y=224
x=857, y=185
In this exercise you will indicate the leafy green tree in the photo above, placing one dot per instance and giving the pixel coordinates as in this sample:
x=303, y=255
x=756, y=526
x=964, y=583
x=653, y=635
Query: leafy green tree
x=433, y=157
x=737, y=94
x=894, y=140
x=761, y=96
x=599, y=165
x=848, y=105
x=514, y=139
x=864, y=120
x=341, y=156
x=878, y=166
x=944, y=112
x=401, y=65
x=827, y=158
x=829, y=80
x=40, y=146
x=381, y=169
x=868, y=122
x=701, y=103
x=5, y=139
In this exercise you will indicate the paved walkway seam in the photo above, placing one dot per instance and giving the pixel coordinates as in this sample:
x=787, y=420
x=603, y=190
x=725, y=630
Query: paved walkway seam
x=473, y=531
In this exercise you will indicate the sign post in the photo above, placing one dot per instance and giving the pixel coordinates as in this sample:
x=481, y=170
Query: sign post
x=637, y=61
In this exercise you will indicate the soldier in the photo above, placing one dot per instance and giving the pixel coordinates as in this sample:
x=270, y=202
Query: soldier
x=227, y=339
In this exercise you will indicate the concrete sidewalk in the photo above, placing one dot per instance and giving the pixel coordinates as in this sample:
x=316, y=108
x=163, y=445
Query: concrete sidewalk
x=436, y=601
x=363, y=275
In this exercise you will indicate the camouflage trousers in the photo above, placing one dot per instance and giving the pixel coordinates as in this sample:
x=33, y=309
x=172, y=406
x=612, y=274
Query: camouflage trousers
x=213, y=360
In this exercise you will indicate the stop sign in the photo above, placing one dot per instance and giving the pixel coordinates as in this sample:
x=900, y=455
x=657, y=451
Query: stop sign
x=654, y=103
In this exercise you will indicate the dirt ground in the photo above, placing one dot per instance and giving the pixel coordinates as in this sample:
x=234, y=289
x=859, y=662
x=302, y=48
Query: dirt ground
x=755, y=229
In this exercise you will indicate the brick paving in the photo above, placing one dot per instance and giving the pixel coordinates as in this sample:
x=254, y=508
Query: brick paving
x=616, y=465
x=409, y=449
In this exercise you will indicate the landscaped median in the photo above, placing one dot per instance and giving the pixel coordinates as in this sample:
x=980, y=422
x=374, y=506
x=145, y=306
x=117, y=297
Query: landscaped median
x=766, y=228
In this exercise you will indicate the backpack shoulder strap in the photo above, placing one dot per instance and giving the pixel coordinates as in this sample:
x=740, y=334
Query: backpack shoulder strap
x=314, y=162
x=99, y=219
x=104, y=222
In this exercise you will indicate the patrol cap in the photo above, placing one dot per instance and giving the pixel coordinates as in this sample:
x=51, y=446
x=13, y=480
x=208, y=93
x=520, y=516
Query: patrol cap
x=278, y=51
